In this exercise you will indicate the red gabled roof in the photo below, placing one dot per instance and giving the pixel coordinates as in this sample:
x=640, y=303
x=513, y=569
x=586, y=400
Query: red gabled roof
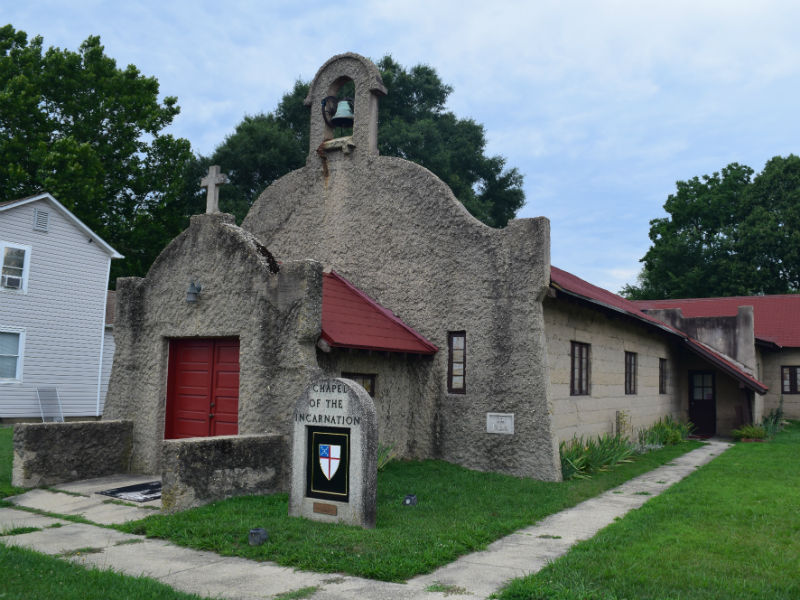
x=351, y=319
x=598, y=295
x=776, y=318
x=575, y=286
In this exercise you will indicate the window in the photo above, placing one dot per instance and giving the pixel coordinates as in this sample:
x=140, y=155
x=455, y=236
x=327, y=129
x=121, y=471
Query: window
x=14, y=260
x=662, y=375
x=630, y=372
x=457, y=362
x=11, y=344
x=579, y=374
x=790, y=380
x=364, y=380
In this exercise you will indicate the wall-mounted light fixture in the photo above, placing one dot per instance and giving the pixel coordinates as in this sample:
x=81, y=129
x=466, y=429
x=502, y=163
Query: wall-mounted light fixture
x=191, y=293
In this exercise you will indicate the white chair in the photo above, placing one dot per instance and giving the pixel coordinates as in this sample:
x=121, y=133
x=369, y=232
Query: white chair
x=50, y=405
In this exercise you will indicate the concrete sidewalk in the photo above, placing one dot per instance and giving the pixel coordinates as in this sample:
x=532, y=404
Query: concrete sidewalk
x=475, y=575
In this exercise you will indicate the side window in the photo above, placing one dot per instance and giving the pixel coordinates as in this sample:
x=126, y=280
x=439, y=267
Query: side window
x=579, y=373
x=14, y=265
x=11, y=345
x=790, y=380
x=457, y=362
x=630, y=372
x=662, y=375
x=367, y=381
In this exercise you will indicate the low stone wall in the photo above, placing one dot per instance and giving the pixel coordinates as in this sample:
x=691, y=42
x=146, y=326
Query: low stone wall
x=52, y=453
x=196, y=471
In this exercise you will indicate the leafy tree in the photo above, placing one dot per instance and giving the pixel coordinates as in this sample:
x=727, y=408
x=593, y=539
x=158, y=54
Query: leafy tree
x=413, y=125
x=75, y=125
x=727, y=234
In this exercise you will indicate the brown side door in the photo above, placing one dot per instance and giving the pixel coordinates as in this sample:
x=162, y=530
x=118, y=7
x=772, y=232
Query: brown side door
x=703, y=402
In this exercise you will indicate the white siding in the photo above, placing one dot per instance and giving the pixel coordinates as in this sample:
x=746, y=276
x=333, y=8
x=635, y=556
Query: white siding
x=62, y=313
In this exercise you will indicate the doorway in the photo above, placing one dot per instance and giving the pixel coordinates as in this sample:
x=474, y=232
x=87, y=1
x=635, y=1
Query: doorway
x=202, y=388
x=703, y=402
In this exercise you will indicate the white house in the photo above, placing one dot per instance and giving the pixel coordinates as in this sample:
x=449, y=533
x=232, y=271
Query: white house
x=54, y=275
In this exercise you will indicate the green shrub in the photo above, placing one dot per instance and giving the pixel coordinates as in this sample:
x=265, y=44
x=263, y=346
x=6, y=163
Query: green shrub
x=386, y=454
x=755, y=432
x=581, y=457
x=773, y=421
x=664, y=432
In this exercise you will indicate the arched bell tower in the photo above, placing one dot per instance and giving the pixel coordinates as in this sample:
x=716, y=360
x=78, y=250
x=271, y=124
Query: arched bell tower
x=368, y=84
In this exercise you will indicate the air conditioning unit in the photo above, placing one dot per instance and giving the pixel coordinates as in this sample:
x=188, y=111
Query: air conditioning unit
x=11, y=282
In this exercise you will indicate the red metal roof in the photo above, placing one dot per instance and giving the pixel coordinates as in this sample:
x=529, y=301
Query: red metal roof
x=351, y=319
x=776, y=318
x=575, y=286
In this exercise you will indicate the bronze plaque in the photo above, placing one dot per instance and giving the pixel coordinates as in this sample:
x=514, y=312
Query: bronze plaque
x=325, y=509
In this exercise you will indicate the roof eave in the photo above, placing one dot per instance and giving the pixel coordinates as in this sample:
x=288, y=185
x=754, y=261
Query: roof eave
x=748, y=382
x=68, y=214
x=334, y=344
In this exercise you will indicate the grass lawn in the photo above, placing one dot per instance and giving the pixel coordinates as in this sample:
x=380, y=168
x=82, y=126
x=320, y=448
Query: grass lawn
x=25, y=574
x=729, y=531
x=6, y=456
x=459, y=511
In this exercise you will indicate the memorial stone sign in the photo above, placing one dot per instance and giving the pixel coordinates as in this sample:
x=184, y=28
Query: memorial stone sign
x=334, y=454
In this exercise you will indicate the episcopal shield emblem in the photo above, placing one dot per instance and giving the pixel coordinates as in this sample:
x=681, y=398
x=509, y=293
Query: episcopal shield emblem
x=329, y=459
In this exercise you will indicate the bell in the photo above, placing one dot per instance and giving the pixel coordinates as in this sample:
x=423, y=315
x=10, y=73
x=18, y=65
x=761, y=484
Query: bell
x=344, y=114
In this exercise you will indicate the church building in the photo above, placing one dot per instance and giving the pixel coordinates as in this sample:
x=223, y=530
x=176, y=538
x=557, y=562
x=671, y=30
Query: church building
x=474, y=348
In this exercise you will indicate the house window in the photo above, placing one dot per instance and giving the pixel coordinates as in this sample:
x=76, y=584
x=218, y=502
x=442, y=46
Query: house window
x=14, y=262
x=367, y=381
x=790, y=380
x=662, y=375
x=630, y=372
x=457, y=362
x=11, y=344
x=579, y=374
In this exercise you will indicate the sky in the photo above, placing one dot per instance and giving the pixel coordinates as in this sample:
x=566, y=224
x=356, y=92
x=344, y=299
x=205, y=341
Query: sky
x=602, y=106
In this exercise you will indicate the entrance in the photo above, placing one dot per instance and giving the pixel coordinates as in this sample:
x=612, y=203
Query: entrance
x=702, y=402
x=202, y=388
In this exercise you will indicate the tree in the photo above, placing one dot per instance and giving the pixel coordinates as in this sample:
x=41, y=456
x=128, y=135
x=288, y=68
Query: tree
x=75, y=125
x=727, y=234
x=413, y=125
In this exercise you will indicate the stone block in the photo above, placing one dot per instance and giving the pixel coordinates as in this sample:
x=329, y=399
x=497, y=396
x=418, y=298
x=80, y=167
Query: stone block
x=197, y=471
x=51, y=453
x=335, y=454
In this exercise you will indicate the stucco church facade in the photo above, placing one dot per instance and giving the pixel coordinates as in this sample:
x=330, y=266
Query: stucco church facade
x=474, y=349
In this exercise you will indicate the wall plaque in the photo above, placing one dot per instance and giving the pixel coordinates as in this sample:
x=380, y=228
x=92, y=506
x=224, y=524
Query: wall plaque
x=500, y=423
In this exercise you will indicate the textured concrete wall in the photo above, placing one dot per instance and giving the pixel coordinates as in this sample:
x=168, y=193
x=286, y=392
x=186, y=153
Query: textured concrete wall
x=610, y=338
x=51, y=453
x=397, y=232
x=771, y=363
x=732, y=336
x=276, y=316
x=197, y=471
x=398, y=390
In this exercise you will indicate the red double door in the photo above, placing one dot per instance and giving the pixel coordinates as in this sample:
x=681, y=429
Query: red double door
x=202, y=388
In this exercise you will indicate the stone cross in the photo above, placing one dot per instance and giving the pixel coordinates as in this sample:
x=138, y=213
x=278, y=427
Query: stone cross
x=212, y=181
